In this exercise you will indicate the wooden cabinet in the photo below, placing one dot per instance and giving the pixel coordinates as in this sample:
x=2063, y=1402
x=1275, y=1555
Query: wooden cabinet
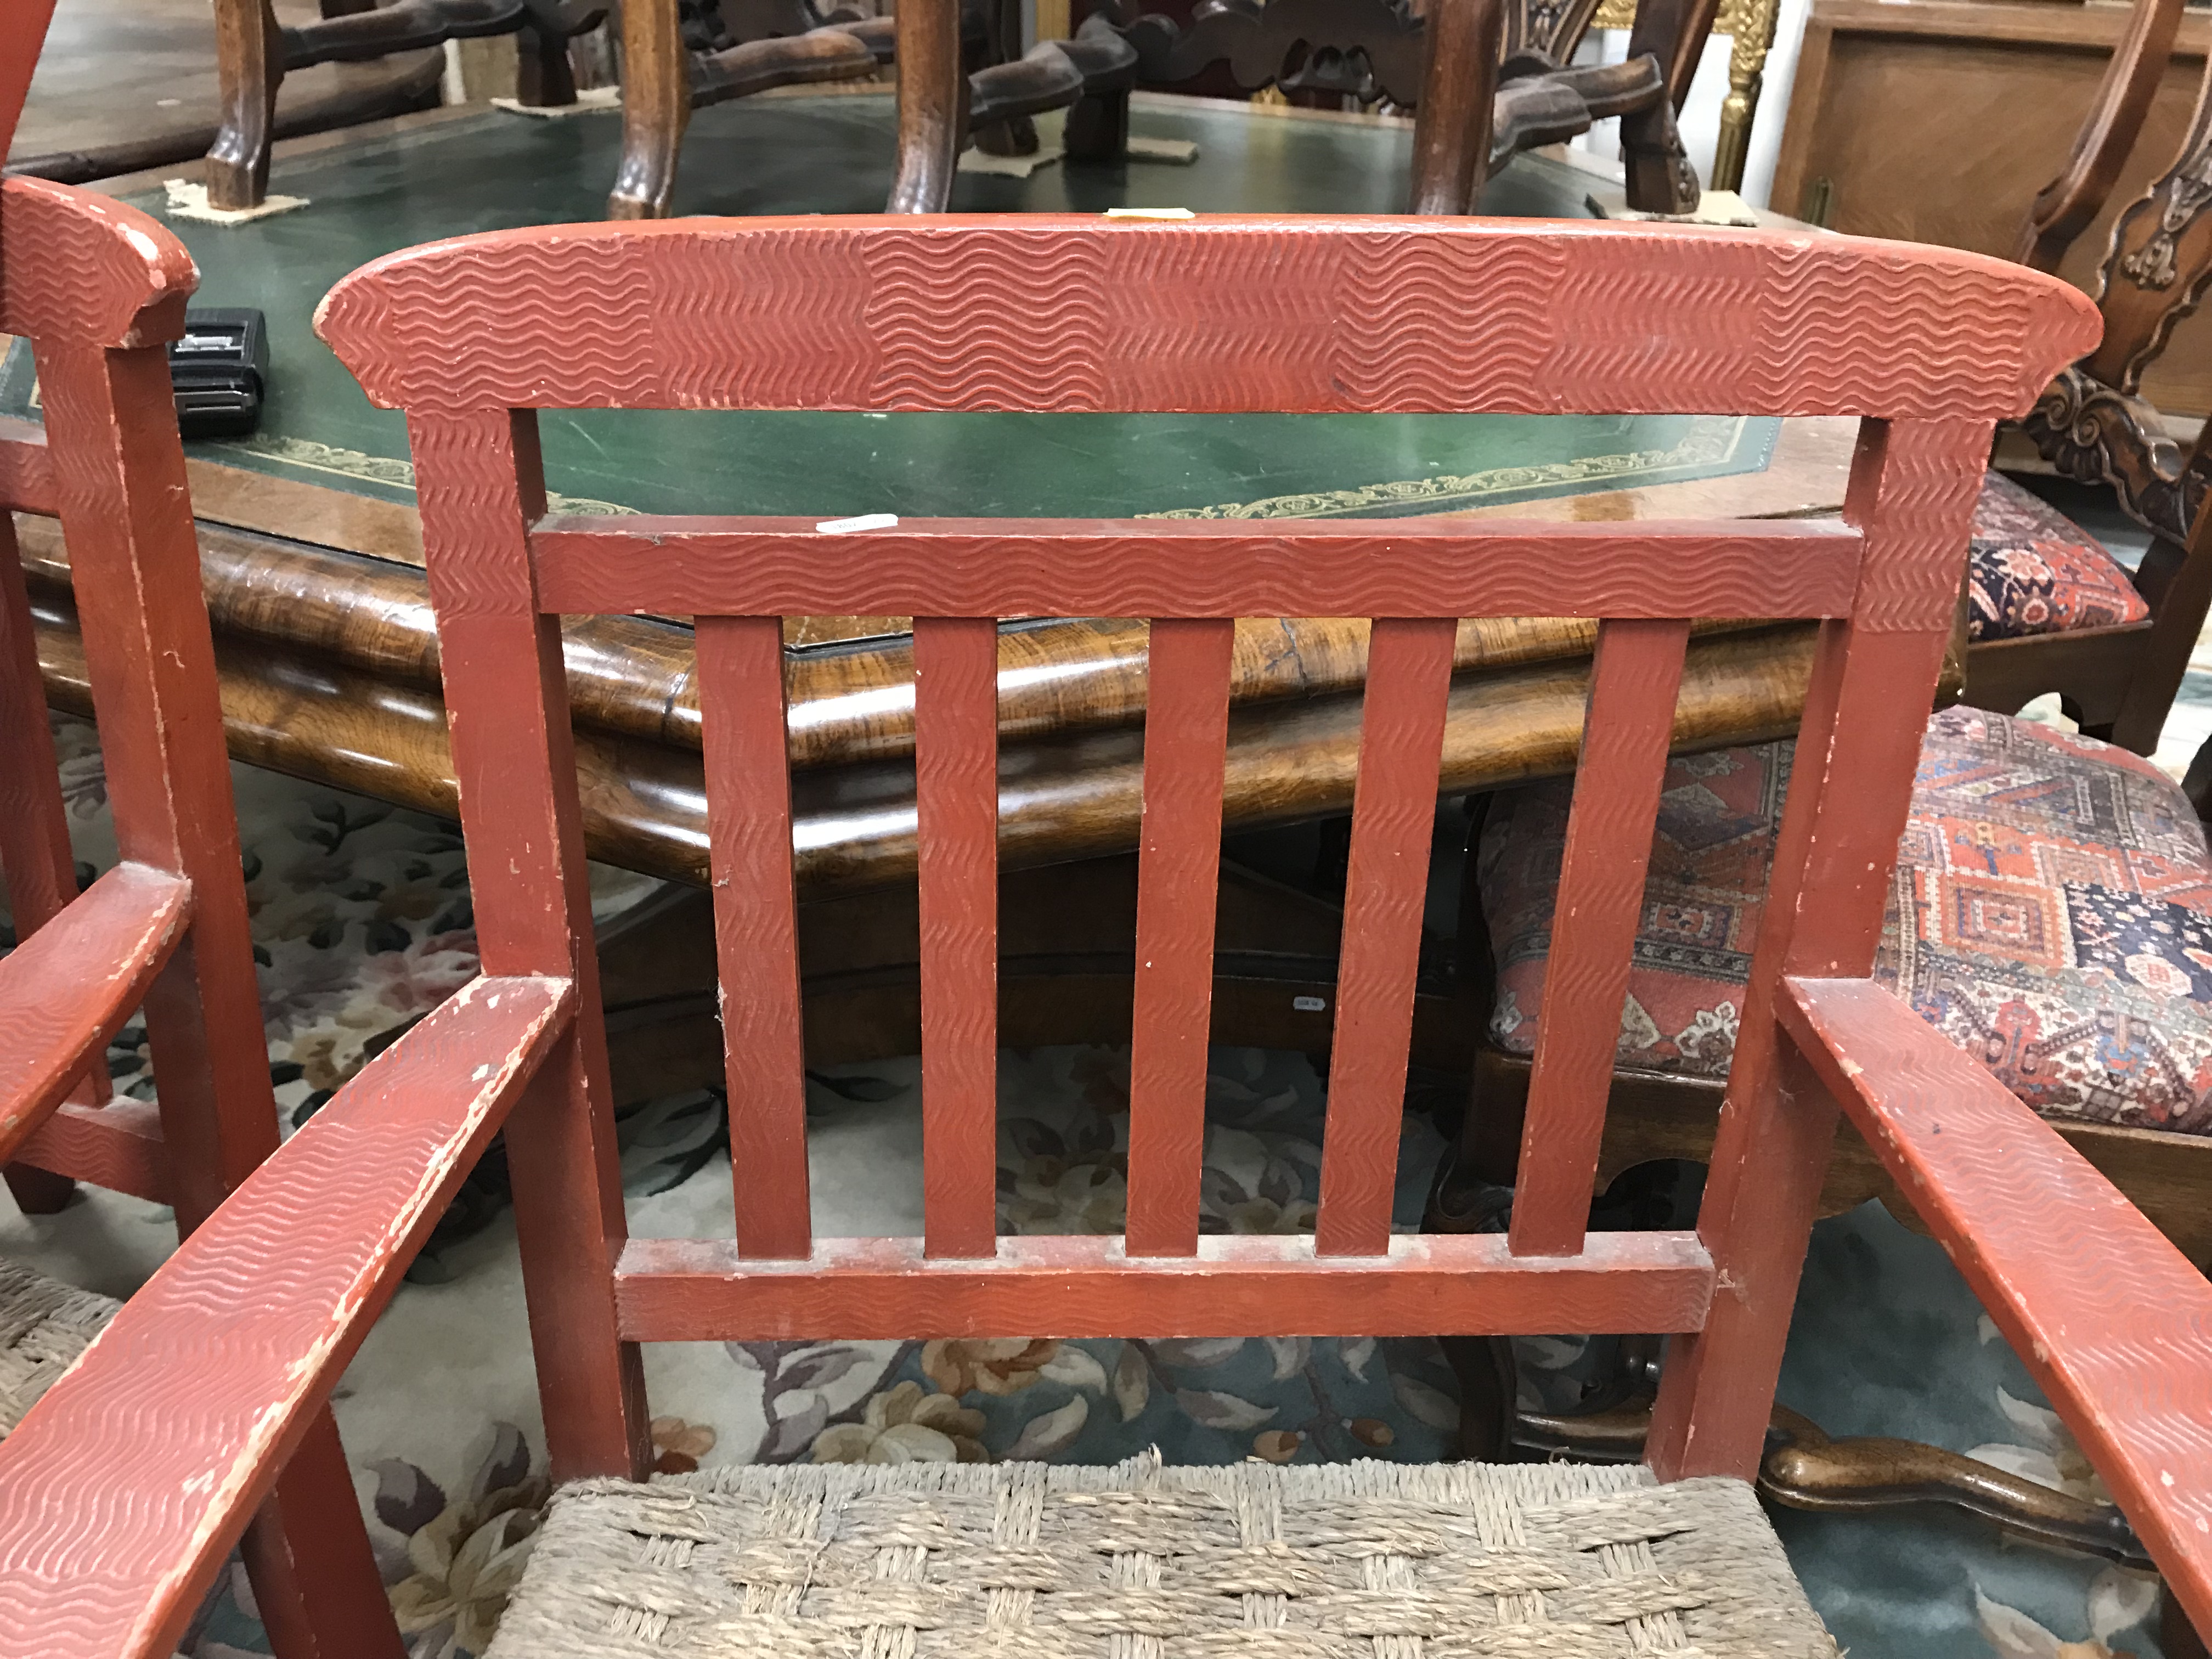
x=1938, y=120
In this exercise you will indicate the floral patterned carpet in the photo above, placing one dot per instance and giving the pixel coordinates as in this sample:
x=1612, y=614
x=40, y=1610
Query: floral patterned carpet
x=362, y=920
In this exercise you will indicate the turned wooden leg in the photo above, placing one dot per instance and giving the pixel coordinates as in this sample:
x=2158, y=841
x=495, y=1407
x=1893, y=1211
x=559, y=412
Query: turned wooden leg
x=932, y=99
x=656, y=106
x=1451, y=128
x=250, y=64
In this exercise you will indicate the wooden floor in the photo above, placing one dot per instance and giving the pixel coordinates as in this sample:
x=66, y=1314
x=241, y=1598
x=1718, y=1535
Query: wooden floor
x=120, y=73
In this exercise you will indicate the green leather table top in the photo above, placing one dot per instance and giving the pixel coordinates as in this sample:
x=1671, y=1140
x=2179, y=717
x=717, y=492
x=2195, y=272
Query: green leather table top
x=833, y=154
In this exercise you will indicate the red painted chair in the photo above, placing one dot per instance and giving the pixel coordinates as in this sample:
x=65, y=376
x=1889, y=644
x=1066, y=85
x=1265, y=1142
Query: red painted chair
x=124, y=1487
x=99, y=289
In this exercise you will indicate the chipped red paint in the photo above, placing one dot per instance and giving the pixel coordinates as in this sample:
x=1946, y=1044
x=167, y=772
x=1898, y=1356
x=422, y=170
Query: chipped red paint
x=123, y=1490
x=71, y=984
x=1927, y=345
x=99, y=289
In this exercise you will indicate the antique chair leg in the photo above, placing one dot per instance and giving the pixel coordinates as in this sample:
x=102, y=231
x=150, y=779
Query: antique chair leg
x=933, y=96
x=2177, y=580
x=1660, y=177
x=656, y=105
x=1098, y=126
x=543, y=78
x=2177, y=1638
x=1451, y=128
x=36, y=1191
x=312, y=1566
x=250, y=59
x=1017, y=135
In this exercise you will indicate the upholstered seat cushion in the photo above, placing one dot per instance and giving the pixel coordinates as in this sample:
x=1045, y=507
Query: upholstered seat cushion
x=2051, y=911
x=1251, y=1561
x=2033, y=570
x=44, y=1325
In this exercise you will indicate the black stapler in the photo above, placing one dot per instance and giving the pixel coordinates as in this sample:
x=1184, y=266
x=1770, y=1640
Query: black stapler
x=218, y=370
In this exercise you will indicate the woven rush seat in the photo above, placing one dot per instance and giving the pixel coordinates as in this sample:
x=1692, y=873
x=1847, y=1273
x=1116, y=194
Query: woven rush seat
x=44, y=1325
x=1391, y=1561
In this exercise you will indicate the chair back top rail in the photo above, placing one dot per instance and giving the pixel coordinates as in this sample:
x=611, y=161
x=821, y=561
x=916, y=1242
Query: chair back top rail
x=81, y=270
x=1284, y=314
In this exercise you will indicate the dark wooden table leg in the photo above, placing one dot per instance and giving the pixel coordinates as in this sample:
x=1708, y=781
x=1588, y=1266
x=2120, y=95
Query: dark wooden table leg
x=656, y=106
x=1451, y=128
x=931, y=92
x=250, y=64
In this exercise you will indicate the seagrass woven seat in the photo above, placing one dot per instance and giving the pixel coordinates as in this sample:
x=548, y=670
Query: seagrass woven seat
x=44, y=1325
x=1254, y=1560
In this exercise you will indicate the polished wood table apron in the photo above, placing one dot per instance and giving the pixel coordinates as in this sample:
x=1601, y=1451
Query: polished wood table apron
x=330, y=667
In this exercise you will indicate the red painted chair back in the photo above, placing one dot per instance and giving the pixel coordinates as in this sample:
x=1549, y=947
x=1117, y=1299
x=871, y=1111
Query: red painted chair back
x=98, y=289
x=1927, y=346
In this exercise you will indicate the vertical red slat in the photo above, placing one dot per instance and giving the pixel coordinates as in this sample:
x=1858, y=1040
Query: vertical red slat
x=1186, y=735
x=1394, y=808
x=956, y=763
x=1912, y=490
x=742, y=715
x=1635, y=676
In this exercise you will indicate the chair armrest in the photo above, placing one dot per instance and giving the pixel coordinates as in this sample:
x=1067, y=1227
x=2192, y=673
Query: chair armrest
x=2110, y=1318
x=122, y=1492
x=69, y=987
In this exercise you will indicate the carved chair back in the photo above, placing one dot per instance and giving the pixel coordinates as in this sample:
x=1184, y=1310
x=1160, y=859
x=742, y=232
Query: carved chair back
x=2092, y=423
x=471, y=337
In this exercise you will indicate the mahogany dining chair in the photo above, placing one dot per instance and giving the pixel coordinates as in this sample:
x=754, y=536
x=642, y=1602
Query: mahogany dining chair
x=122, y=1491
